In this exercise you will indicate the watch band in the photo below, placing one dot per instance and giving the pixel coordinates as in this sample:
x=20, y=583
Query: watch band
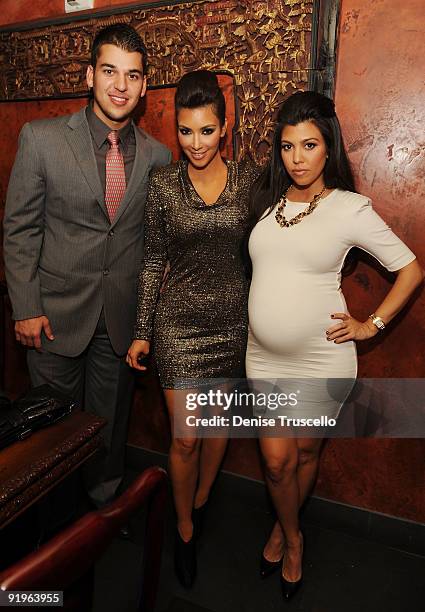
x=377, y=321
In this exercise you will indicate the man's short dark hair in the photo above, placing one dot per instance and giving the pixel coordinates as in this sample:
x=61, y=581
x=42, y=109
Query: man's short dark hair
x=123, y=36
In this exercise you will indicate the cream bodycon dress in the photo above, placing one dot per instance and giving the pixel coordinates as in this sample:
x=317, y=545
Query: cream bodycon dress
x=296, y=285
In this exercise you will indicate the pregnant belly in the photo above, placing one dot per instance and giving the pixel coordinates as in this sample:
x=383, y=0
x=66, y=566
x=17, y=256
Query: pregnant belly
x=293, y=322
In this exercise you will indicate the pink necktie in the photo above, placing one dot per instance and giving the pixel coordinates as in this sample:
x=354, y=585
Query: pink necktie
x=115, y=176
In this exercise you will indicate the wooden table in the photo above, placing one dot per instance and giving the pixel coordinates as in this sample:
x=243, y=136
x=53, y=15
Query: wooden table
x=32, y=467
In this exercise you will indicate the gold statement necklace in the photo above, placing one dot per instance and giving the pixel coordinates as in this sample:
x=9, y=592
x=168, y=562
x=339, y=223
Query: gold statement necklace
x=280, y=217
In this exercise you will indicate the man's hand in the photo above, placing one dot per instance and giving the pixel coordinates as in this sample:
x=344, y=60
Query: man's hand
x=138, y=348
x=28, y=331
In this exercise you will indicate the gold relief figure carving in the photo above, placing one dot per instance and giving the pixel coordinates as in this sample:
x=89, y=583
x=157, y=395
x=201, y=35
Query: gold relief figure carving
x=264, y=44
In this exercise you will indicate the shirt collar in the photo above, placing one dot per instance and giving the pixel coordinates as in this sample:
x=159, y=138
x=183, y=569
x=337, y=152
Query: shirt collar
x=100, y=130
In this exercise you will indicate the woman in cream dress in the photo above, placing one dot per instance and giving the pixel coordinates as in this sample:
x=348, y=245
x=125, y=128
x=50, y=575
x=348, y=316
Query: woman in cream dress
x=306, y=216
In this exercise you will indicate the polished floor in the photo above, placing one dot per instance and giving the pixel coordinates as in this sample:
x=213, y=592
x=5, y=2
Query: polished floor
x=342, y=573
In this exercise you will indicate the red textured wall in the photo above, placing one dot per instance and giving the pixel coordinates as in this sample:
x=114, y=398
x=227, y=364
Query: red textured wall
x=380, y=91
x=379, y=97
x=20, y=11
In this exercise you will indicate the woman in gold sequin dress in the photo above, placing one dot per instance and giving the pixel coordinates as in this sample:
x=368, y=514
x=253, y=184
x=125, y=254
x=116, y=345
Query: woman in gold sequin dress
x=196, y=217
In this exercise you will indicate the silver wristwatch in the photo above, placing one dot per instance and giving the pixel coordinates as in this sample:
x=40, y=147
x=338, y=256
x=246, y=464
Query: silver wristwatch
x=377, y=321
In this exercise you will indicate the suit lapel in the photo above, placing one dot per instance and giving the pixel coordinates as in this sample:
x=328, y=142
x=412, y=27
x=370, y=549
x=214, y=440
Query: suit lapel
x=140, y=168
x=80, y=140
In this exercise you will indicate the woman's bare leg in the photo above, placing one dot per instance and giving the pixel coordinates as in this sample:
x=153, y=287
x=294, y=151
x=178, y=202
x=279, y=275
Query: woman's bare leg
x=281, y=462
x=308, y=452
x=308, y=464
x=212, y=453
x=183, y=467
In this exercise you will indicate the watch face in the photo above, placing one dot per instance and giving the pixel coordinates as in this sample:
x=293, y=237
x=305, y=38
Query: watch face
x=377, y=321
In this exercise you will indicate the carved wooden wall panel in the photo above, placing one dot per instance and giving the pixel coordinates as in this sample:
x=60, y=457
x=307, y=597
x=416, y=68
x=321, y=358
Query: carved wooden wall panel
x=264, y=44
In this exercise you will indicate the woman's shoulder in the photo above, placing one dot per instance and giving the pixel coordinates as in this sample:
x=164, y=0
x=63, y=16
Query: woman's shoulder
x=247, y=168
x=351, y=200
x=165, y=174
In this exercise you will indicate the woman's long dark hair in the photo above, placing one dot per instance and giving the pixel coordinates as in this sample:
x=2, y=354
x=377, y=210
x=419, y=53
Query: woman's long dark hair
x=274, y=180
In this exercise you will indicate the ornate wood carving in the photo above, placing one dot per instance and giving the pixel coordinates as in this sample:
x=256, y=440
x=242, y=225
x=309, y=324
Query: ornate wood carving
x=265, y=44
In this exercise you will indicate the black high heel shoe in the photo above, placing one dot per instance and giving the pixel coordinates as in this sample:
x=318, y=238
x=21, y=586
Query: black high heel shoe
x=267, y=568
x=289, y=588
x=185, y=560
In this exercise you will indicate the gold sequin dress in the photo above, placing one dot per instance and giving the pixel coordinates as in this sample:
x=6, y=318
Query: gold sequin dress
x=198, y=322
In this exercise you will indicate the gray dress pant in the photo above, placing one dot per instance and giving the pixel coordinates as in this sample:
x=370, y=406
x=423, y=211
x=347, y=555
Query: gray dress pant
x=103, y=383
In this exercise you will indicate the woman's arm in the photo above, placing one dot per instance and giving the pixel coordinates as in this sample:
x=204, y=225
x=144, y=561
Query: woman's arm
x=408, y=279
x=152, y=271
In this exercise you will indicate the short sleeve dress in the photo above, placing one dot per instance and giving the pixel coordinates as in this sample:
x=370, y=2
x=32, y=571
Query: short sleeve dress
x=296, y=285
x=198, y=321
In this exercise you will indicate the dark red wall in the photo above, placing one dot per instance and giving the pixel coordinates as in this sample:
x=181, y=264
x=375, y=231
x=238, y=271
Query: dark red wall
x=20, y=11
x=380, y=92
x=379, y=97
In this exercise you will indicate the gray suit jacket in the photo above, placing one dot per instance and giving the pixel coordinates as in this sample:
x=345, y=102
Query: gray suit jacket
x=63, y=257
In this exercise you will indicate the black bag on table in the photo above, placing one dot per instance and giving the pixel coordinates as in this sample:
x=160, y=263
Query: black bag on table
x=40, y=407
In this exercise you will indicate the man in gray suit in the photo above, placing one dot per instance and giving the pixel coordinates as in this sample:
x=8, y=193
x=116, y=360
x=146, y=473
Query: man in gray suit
x=74, y=242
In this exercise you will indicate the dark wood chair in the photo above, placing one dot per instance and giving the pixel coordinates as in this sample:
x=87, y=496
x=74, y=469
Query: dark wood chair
x=66, y=562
